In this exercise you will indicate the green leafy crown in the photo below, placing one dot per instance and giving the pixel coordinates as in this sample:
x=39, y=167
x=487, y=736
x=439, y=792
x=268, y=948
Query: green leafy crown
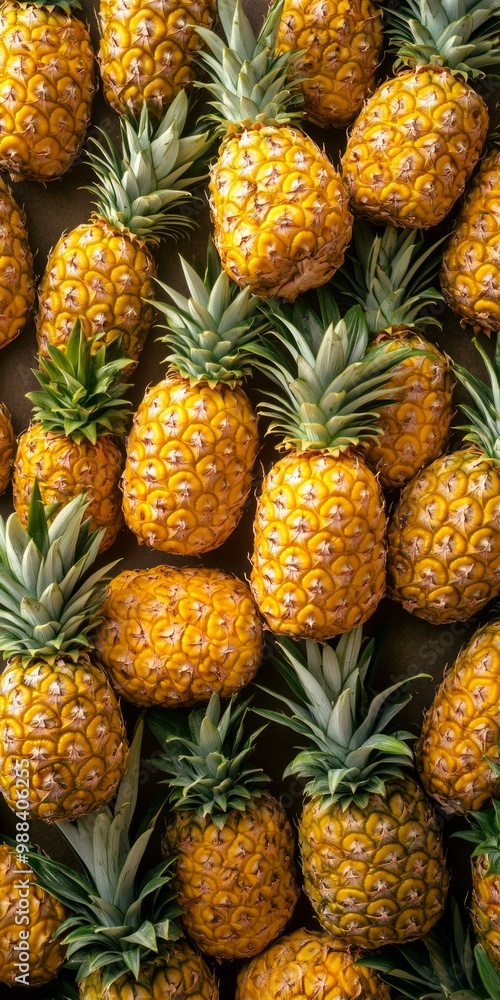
x=485, y=834
x=463, y=35
x=483, y=426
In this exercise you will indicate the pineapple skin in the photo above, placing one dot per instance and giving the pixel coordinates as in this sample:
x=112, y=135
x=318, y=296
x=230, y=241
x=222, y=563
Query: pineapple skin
x=147, y=50
x=188, y=471
x=177, y=972
x=102, y=277
x=17, y=283
x=7, y=447
x=47, y=71
x=485, y=907
x=45, y=914
x=342, y=47
x=65, y=469
x=64, y=718
x=279, y=210
x=308, y=964
x=413, y=148
x=319, y=550
x=374, y=875
x=444, y=539
x=470, y=275
x=460, y=731
x=174, y=637
x=236, y=885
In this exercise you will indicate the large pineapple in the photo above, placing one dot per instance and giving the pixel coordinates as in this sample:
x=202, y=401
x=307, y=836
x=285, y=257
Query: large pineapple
x=102, y=271
x=17, y=285
x=485, y=902
x=194, y=438
x=235, y=876
x=458, y=752
x=47, y=82
x=340, y=49
x=372, y=857
x=72, y=445
x=174, y=637
x=7, y=447
x=122, y=937
x=418, y=137
x=278, y=206
x=147, y=50
x=58, y=713
x=444, y=535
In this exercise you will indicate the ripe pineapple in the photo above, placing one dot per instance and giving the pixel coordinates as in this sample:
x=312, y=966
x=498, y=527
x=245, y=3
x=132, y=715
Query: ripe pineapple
x=122, y=937
x=459, y=744
x=235, y=876
x=341, y=48
x=390, y=277
x=278, y=206
x=17, y=284
x=417, y=139
x=102, y=271
x=7, y=447
x=47, y=82
x=147, y=50
x=29, y=918
x=485, y=903
x=72, y=446
x=372, y=858
x=173, y=637
x=307, y=964
x=470, y=276
x=194, y=439
x=57, y=710
x=444, y=535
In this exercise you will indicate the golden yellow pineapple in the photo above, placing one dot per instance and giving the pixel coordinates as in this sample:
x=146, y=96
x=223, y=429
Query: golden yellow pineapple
x=58, y=712
x=47, y=82
x=417, y=139
x=233, y=844
x=470, y=276
x=372, y=857
x=147, y=50
x=7, y=447
x=17, y=285
x=485, y=901
x=102, y=271
x=30, y=917
x=341, y=48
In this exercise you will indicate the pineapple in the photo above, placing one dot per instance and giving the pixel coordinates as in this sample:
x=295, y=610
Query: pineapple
x=418, y=138
x=58, y=712
x=173, y=637
x=47, y=82
x=389, y=276
x=29, y=919
x=458, y=750
x=485, y=903
x=278, y=206
x=235, y=876
x=102, y=271
x=470, y=276
x=307, y=964
x=7, y=447
x=372, y=857
x=444, y=534
x=341, y=48
x=147, y=50
x=122, y=937
x=17, y=283
x=194, y=438
x=72, y=445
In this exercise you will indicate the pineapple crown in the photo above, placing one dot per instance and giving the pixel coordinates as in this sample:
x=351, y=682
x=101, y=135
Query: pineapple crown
x=48, y=604
x=205, y=756
x=249, y=81
x=350, y=756
x=483, y=427
x=138, y=190
x=210, y=331
x=485, y=833
x=329, y=384
x=463, y=35
x=81, y=392
x=66, y=5
x=117, y=922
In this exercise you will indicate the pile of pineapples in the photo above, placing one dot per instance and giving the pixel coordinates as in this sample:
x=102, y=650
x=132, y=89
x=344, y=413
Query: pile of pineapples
x=211, y=784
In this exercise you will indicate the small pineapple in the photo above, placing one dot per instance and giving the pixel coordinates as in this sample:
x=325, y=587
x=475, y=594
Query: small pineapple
x=485, y=902
x=235, y=876
x=47, y=82
x=58, y=712
x=17, y=283
x=7, y=447
x=102, y=271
